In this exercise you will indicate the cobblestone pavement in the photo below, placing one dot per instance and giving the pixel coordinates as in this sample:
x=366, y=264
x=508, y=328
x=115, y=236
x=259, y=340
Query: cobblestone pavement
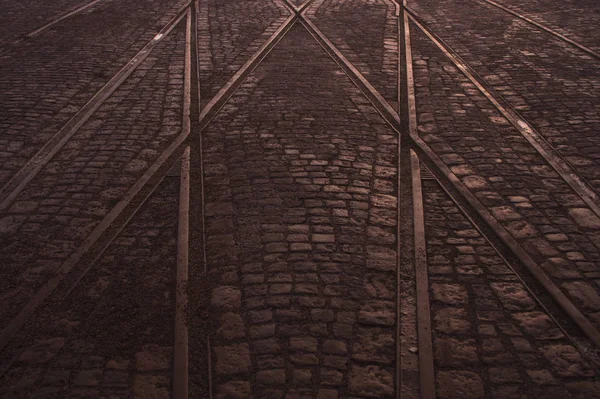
x=41, y=91
x=575, y=19
x=549, y=82
x=491, y=338
x=300, y=207
x=18, y=18
x=112, y=335
x=73, y=192
x=229, y=32
x=507, y=175
x=318, y=267
x=372, y=45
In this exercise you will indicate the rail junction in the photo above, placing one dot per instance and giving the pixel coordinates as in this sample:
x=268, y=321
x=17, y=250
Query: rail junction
x=285, y=199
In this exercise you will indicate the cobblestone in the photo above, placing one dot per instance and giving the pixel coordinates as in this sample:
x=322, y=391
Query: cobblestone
x=549, y=82
x=229, y=33
x=497, y=334
x=80, y=185
x=41, y=92
x=456, y=120
x=20, y=18
x=574, y=19
x=112, y=336
x=371, y=46
x=289, y=158
x=300, y=198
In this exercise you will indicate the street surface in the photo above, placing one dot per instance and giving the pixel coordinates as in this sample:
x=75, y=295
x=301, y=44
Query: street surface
x=286, y=199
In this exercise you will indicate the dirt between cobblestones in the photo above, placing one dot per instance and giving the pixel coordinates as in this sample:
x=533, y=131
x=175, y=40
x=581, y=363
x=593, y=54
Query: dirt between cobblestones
x=74, y=192
x=491, y=338
x=300, y=175
x=537, y=207
x=113, y=335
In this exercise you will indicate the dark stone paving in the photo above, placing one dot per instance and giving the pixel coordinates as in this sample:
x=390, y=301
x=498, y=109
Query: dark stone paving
x=576, y=19
x=229, y=33
x=18, y=18
x=491, y=338
x=45, y=81
x=72, y=193
x=508, y=176
x=301, y=220
x=300, y=205
x=552, y=84
x=112, y=336
x=371, y=45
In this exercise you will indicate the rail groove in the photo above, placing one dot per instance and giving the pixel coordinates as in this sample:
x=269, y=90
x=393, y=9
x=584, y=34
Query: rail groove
x=421, y=172
x=218, y=101
x=380, y=104
x=424, y=333
x=106, y=229
x=180, y=345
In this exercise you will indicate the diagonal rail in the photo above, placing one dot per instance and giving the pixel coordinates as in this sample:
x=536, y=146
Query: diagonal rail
x=542, y=146
x=107, y=230
x=562, y=37
x=10, y=191
x=536, y=271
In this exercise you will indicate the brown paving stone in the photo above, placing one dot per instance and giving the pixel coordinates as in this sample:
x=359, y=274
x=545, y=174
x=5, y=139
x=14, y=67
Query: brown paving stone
x=86, y=178
x=229, y=32
x=459, y=385
x=513, y=181
x=234, y=390
x=371, y=46
x=113, y=334
x=497, y=340
x=370, y=382
x=41, y=91
x=522, y=66
x=292, y=159
x=574, y=18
